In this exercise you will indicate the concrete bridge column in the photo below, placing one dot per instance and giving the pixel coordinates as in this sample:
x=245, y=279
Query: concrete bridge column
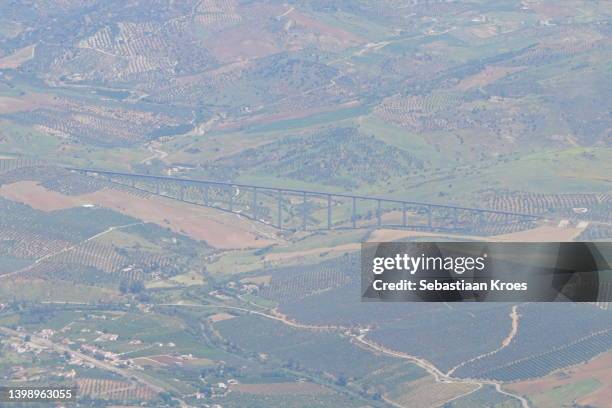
x=354, y=213
x=329, y=211
x=304, y=210
x=230, y=200
x=280, y=209
x=254, y=204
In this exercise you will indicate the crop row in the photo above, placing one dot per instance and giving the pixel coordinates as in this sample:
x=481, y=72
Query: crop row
x=418, y=111
x=80, y=264
x=534, y=203
x=7, y=165
x=53, y=178
x=501, y=229
x=106, y=258
x=543, y=364
x=23, y=244
x=66, y=182
x=423, y=104
x=136, y=30
x=104, y=130
x=305, y=284
x=583, y=332
x=124, y=43
x=215, y=6
x=217, y=20
x=99, y=256
x=114, y=390
x=446, y=338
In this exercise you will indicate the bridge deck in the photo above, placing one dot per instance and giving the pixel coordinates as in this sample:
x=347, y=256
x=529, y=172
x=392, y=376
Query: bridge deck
x=299, y=209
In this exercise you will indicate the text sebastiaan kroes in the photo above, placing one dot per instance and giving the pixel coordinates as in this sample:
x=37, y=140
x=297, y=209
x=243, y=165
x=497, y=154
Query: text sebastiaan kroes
x=426, y=265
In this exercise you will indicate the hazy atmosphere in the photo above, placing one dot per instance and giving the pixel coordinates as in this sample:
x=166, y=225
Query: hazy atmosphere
x=185, y=187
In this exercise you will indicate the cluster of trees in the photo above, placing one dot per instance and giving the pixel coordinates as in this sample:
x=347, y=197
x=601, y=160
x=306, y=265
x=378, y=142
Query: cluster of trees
x=131, y=286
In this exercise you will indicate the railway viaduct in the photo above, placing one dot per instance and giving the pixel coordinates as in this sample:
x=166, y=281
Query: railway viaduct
x=296, y=209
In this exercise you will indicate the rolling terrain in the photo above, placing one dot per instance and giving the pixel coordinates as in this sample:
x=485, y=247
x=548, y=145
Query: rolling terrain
x=163, y=295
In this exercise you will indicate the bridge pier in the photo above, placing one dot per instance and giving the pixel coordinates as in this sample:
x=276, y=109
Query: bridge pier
x=304, y=210
x=230, y=201
x=354, y=213
x=280, y=209
x=177, y=188
x=480, y=218
x=329, y=211
x=254, y=204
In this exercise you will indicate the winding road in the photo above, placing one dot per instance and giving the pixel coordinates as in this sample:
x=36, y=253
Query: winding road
x=436, y=373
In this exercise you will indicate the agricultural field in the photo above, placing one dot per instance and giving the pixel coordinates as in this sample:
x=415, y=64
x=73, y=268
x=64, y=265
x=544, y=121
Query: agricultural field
x=587, y=337
x=582, y=384
x=162, y=89
x=161, y=290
